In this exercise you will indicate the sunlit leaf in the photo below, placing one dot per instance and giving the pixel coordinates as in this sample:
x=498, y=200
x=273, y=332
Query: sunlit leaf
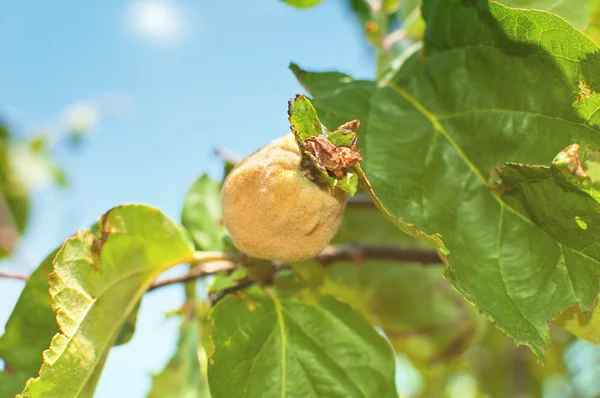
x=303, y=118
x=583, y=15
x=98, y=281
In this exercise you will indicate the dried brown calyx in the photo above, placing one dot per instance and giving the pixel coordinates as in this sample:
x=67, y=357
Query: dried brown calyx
x=331, y=158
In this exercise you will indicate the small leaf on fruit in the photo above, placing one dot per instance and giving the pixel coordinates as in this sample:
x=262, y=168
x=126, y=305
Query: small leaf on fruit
x=303, y=118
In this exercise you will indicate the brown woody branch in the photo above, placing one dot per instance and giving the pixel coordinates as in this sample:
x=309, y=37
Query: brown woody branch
x=8, y=275
x=330, y=255
x=215, y=297
x=358, y=253
x=195, y=273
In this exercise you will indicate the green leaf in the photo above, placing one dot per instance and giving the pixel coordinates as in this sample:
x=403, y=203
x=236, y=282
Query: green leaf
x=421, y=315
x=201, y=214
x=348, y=183
x=12, y=384
x=31, y=325
x=409, y=15
x=302, y=3
x=305, y=124
x=567, y=214
x=583, y=15
x=303, y=118
x=363, y=223
x=322, y=349
x=98, y=281
x=433, y=133
x=419, y=312
x=342, y=137
x=181, y=377
x=223, y=281
x=128, y=329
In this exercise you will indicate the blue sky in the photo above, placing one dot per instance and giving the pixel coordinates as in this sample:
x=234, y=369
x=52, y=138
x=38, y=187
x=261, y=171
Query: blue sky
x=186, y=77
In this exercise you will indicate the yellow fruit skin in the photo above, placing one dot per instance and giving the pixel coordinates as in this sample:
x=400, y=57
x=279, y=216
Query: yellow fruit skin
x=273, y=211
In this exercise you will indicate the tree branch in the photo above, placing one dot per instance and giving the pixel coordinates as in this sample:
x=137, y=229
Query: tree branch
x=360, y=199
x=195, y=273
x=13, y=276
x=215, y=262
x=330, y=255
x=215, y=297
x=359, y=253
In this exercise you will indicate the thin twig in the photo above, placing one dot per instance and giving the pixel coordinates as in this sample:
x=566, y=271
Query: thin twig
x=195, y=273
x=215, y=262
x=215, y=297
x=13, y=276
x=360, y=199
x=359, y=253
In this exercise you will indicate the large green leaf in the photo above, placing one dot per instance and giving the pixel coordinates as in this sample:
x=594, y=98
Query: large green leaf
x=182, y=378
x=266, y=346
x=583, y=15
x=98, y=281
x=492, y=85
x=12, y=384
x=567, y=214
x=201, y=214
